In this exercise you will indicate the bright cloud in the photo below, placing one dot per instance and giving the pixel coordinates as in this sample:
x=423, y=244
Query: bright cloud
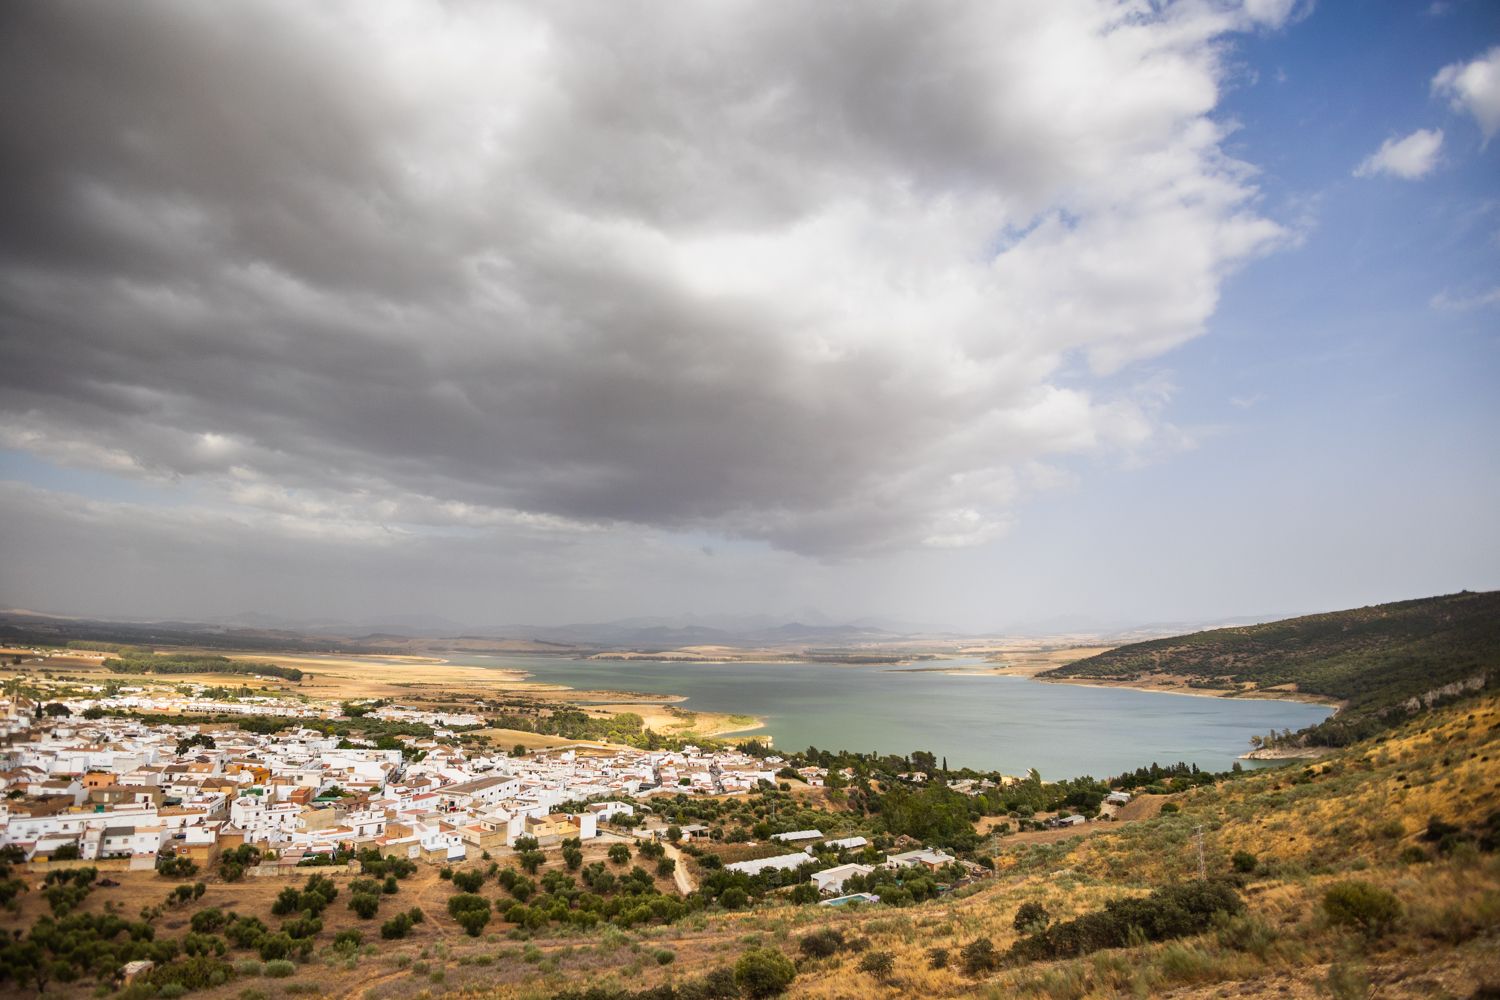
x=1409, y=157
x=1474, y=87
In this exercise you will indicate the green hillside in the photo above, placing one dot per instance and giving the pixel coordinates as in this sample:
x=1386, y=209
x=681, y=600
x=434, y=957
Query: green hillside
x=1382, y=661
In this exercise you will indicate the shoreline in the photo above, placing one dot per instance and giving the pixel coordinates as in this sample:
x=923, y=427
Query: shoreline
x=1287, y=696
x=1288, y=753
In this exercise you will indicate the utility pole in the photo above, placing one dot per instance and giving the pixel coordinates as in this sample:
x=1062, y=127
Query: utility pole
x=1198, y=836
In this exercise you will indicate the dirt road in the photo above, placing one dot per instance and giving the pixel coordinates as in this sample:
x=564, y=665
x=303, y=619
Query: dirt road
x=685, y=884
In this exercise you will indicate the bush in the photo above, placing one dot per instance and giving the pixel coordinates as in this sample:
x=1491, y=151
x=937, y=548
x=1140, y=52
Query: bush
x=937, y=958
x=168, y=863
x=246, y=932
x=1244, y=862
x=280, y=969
x=1362, y=906
x=194, y=973
x=472, y=912
x=1170, y=807
x=397, y=927
x=468, y=881
x=209, y=920
x=1413, y=855
x=764, y=972
x=466, y=901
x=473, y=921
x=822, y=943
x=273, y=946
x=879, y=964
x=1029, y=917
x=803, y=893
x=1170, y=912
x=364, y=905
x=979, y=957
x=1437, y=830
x=303, y=927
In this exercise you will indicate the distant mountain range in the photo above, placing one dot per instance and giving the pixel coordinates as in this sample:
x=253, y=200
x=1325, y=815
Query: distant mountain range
x=411, y=632
x=262, y=631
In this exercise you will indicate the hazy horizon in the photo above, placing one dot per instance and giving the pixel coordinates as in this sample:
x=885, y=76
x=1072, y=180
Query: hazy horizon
x=980, y=316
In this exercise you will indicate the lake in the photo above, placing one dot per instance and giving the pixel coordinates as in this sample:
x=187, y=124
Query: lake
x=1008, y=724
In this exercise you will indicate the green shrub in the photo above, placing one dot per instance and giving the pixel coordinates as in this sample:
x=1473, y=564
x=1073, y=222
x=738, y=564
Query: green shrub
x=1029, y=917
x=209, y=920
x=937, y=958
x=1363, y=906
x=468, y=880
x=280, y=968
x=1244, y=862
x=822, y=943
x=274, y=946
x=879, y=964
x=1170, y=912
x=473, y=921
x=364, y=905
x=764, y=972
x=303, y=927
x=979, y=957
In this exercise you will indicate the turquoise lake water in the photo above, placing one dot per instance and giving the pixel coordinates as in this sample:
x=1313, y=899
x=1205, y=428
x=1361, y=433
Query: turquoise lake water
x=1003, y=723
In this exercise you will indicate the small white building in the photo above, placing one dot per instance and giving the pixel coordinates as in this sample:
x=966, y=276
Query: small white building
x=831, y=880
x=930, y=858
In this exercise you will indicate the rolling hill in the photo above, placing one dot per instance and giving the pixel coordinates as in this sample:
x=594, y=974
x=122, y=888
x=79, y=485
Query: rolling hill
x=1381, y=662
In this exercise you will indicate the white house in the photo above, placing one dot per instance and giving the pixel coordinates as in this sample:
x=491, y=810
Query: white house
x=930, y=858
x=831, y=880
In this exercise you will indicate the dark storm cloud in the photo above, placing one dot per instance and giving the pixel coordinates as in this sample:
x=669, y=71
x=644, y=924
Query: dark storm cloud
x=800, y=275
